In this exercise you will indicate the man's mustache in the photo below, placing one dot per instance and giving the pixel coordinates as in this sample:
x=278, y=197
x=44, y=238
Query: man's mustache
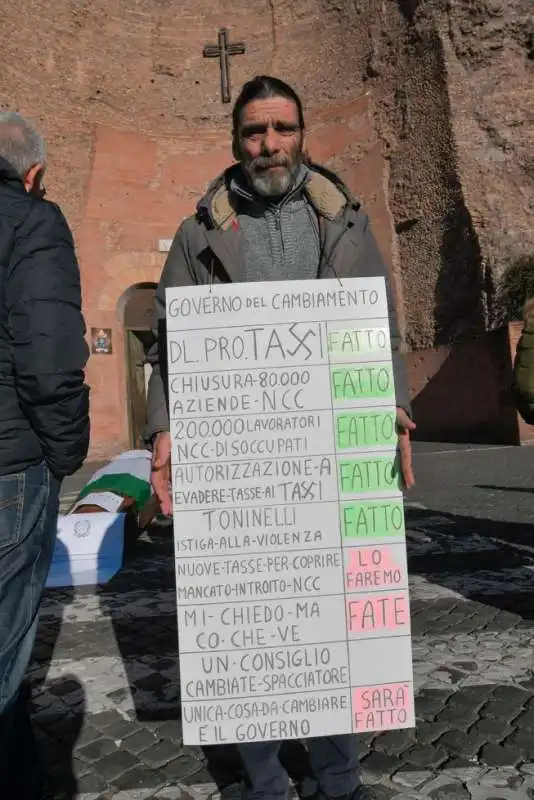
x=262, y=162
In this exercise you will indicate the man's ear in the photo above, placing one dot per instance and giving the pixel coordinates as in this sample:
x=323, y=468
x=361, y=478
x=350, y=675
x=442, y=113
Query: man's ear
x=33, y=178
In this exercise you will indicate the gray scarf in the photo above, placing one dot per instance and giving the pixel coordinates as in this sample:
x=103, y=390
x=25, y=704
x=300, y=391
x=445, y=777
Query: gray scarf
x=280, y=240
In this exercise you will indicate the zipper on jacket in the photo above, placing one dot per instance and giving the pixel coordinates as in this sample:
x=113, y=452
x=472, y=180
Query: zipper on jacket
x=327, y=261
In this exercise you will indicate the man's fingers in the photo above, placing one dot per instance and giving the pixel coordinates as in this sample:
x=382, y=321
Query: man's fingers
x=161, y=455
x=157, y=462
x=161, y=471
x=160, y=484
x=155, y=480
x=166, y=505
x=404, y=426
x=404, y=422
x=405, y=449
x=160, y=458
x=408, y=477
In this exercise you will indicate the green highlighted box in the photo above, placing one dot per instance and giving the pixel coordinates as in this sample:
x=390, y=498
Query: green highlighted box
x=372, y=519
x=359, y=475
x=358, y=341
x=363, y=381
x=365, y=428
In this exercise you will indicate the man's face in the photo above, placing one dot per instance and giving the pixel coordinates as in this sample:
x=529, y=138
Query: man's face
x=270, y=144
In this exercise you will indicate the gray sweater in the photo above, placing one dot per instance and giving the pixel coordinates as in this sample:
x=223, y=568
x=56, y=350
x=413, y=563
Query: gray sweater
x=280, y=240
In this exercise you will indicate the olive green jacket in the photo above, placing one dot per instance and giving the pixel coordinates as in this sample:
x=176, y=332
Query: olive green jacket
x=208, y=249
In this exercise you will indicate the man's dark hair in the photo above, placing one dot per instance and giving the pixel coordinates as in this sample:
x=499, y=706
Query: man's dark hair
x=260, y=88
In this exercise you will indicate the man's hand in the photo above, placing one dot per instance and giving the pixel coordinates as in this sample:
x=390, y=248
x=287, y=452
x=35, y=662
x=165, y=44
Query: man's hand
x=404, y=426
x=161, y=471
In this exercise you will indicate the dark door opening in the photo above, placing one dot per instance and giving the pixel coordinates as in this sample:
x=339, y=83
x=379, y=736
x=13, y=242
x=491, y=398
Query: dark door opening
x=138, y=338
x=137, y=345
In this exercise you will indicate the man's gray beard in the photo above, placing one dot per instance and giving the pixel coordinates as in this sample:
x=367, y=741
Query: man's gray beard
x=273, y=185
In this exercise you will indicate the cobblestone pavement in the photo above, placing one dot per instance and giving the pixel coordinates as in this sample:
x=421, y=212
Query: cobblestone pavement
x=105, y=670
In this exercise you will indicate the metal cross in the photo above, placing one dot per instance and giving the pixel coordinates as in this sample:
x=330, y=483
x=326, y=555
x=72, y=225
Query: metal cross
x=222, y=51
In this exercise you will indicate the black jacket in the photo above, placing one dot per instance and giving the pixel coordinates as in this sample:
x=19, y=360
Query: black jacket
x=44, y=402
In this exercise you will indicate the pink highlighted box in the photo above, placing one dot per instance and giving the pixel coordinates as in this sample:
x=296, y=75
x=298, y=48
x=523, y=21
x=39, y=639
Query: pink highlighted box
x=374, y=568
x=374, y=614
x=383, y=707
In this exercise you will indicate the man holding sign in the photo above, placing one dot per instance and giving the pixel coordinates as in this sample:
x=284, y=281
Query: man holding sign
x=274, y=216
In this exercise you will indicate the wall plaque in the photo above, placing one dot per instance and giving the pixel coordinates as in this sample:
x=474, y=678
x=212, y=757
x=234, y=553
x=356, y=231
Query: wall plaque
x=101, y=341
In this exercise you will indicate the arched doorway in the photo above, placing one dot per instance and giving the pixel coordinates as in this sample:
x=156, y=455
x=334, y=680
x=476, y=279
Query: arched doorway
x=136, y=308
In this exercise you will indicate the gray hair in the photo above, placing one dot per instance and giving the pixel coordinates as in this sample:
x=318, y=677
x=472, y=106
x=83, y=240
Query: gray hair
x=20, y=144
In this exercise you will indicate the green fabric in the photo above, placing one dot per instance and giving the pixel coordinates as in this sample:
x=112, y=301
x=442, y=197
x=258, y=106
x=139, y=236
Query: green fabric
x=524, y=373
x=121, y=484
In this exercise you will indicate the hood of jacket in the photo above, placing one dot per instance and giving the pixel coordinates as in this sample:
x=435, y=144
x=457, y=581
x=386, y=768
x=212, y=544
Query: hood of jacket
x=327, y=194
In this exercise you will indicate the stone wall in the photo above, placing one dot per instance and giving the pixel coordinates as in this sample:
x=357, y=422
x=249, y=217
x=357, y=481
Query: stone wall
x=409, y=100
x=489, y=55
x=136, y=136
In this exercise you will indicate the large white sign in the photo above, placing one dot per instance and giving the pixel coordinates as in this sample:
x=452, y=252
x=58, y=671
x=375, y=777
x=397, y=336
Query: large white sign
x=291, y=571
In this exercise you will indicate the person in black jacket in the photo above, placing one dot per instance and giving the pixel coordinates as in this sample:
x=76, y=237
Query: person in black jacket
x=44, y=419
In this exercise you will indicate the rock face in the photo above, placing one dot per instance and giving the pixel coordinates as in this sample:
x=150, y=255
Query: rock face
x=454, y=92
x=135, y=125
x=489, y=56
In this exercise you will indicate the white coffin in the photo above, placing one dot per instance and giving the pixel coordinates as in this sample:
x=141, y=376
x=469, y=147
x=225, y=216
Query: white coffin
x=89, y=549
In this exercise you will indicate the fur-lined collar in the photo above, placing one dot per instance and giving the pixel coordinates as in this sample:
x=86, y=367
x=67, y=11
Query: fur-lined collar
x=324, y=190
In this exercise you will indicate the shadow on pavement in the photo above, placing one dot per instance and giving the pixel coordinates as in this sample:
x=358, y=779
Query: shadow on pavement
x=56, y=738
x=483, y=560
x=56, y=726
x=147, y=638
x=513, y=489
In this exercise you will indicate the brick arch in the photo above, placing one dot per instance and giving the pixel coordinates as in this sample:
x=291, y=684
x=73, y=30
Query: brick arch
x=125, y=270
